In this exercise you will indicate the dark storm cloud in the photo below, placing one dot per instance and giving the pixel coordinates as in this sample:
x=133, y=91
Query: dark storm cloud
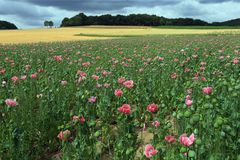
x=99, y=5
x=22, y=10
x=217, y=1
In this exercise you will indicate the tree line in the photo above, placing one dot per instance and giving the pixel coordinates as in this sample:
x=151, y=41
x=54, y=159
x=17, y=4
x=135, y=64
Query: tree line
x=140, y=20
x=7, y=25
x=132, y=19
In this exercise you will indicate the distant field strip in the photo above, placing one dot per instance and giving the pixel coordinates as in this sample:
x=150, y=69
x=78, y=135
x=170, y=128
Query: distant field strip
x=95, y=33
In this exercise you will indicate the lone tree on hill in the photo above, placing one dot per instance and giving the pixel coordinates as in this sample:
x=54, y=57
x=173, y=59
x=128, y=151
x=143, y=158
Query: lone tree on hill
x=48, y=24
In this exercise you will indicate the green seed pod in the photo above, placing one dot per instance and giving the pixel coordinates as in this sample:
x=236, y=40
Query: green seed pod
x=195, y=131
x=187, y=114
x=198, y=141
x=223, y=134
x=235, y=94
x=183, y=150
x=208, y=97
x=195, y=118
x=174, y=114
x=179, y=115
x=214, y=100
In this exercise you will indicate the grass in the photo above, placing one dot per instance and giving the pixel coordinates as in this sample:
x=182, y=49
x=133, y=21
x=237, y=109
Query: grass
x=96, y=33
x=197, y=27
x=105, y=35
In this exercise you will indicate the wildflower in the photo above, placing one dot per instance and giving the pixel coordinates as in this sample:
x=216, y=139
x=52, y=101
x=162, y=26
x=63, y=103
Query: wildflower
x=152, y=107
x=63, y=135
x=128, y=84
x=14, y=78
x=121, y=80
x=64, y=83
x=187, y=141
x=33, y=76
x=150, y=151
x=170, y=139
x=118, y=92
x=188, y=102
x=23, y=77
x=235, y=61
x=95, y=77
x=58, y=58
x=207, y=90
x=126, y=109
x=11, y=102
x=92, y=99
x=156, y=123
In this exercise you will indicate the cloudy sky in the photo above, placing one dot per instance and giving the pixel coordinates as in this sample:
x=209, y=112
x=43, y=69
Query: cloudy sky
x=32, y=13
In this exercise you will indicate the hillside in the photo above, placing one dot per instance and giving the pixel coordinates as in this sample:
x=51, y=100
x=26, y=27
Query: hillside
x=7, y=25
x=233, y=22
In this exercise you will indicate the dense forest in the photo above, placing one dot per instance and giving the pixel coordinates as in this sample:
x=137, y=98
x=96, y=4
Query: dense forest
x=7, y=25
x=139, y=20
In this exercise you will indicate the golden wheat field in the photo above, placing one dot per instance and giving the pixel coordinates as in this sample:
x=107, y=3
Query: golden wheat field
x=93, y=33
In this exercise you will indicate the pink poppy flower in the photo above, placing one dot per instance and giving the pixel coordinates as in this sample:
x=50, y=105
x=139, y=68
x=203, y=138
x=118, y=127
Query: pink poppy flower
x=188, y=102
x=189, y=91
x=2, y=71
x=156, y=123
x=207, y=90
x=80, y=79
x=86, y=64
x=126, y=109
x=150, y=151
x=188, y=97
x=63, y=135
x=204, y=79
x=64, y=83
x=106, y=85
x=235, y=61
x=98, y=86
x=11, y=102
x=92, y=99
x=160, y=58
x=77, y=118
x=27, y=67
x=121, y=80
x=81, y=73
x=14, y=78
x=23, y=77
x=118, y=92
x=82, y=120
x=33, y=76
x=152, y=107
x=58, y=58
x=174, y=75
x=128, y=84
x=187, y=141
x=95, y=77
x=170, y=139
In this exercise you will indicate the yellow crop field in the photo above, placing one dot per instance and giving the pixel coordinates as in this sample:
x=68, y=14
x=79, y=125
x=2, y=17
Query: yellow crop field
x=92, y=33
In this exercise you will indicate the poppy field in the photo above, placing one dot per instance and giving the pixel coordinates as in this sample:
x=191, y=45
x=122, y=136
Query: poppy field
x=158, y=97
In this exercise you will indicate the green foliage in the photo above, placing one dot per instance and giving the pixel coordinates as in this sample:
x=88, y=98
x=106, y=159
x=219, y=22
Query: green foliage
x=142, y=20
x=7, y=25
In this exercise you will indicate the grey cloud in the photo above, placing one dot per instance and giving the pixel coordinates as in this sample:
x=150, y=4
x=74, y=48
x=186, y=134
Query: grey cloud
x=217, y=1
x=99, y=5
x=23, y=10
